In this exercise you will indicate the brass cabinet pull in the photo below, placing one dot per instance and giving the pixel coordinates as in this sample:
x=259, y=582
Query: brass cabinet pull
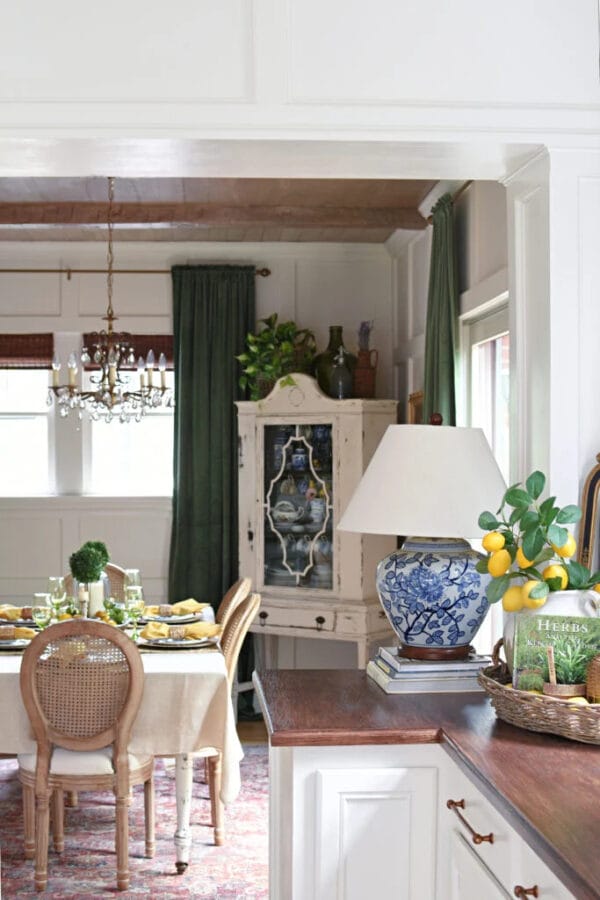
x=320, y=620
x=263, y=617
x=475, y=836
x=520, y=891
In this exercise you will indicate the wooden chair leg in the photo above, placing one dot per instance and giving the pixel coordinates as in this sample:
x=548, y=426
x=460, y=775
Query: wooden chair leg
x=216, y=805
x=72, y=799
x=149, y=816
x=29, y=821
x=58, y=819
x=42, y=823
x=122, y=841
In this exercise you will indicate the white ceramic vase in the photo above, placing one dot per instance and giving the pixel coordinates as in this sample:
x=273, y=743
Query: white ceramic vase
x=584, y=604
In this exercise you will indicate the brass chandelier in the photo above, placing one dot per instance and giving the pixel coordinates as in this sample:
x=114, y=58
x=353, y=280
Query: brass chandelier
x=110, y=396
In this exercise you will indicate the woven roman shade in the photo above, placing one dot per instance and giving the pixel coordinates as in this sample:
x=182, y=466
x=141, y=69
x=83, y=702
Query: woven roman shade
x=159, y=343
x=26, y=351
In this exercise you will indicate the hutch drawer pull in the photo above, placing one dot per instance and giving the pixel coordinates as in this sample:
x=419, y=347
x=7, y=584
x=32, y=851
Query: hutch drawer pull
x=320, y=620
x=475, y=836
x=520, y=891
x=250, y=535
x=263, y=617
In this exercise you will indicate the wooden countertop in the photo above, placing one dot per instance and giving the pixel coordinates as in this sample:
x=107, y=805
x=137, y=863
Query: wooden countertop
x=548, y=787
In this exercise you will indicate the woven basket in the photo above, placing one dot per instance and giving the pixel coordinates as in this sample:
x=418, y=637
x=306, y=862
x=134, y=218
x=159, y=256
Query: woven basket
x=535, y=712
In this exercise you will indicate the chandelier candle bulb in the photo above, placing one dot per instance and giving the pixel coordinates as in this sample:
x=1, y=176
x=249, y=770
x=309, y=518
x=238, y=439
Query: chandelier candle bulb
x=72, y=366
x=162, y=368
x=55, y=370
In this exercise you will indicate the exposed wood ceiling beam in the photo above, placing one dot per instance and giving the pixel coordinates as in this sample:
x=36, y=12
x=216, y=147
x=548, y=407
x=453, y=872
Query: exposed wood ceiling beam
x=208, y=215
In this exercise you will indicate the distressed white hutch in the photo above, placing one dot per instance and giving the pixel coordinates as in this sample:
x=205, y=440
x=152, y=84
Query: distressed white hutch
x=301, y=455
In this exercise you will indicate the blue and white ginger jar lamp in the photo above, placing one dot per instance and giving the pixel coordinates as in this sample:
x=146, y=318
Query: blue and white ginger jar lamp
x=429, y=482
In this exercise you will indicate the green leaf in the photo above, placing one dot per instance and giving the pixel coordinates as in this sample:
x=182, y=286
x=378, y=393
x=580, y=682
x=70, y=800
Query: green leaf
x=533, y=541
x=516, y=514
x=557, y=536
x=517, y=497
x=548, y=511
x=497, y=588
x=530, y=519
x=488, y=521
x=578, y=575
x=568, y=515
x=540, y=590
x=482, y=566
x=555, y=584
x=535, y=484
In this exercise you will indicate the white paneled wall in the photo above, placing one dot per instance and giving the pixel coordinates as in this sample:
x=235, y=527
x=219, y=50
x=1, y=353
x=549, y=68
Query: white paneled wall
x=38, y=536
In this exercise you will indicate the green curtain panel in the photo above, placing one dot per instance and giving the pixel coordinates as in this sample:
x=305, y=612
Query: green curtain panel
x=213, y=310
x=439, y=391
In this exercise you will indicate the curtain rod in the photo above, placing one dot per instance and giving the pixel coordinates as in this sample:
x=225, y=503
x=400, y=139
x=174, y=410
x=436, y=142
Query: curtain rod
x=264, y=273
x=456, y=195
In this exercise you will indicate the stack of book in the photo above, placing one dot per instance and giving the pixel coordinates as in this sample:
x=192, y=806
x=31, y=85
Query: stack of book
x=400, y=675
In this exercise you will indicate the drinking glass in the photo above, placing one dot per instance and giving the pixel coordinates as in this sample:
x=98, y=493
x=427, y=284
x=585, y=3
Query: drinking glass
x=41, y=615
x=134, y=602
x=56, y=587
x=133, y=578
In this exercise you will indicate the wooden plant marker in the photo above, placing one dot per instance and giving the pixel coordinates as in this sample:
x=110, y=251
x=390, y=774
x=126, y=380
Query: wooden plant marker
x=551, y=666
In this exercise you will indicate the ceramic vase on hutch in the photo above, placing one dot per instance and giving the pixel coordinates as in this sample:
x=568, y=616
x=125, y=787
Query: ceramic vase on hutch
x=326, y=361
x=365, y=374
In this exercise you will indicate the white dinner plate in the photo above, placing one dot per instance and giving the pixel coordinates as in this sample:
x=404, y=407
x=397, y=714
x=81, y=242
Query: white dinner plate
x=176, y=620
x=17, y=644
x=176, y=643
x=19, y=623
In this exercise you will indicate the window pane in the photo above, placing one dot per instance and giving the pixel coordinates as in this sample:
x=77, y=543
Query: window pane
x=24, y=390
x=23, y=455
x=134, y=458
x=23, y=432
x=490, y=395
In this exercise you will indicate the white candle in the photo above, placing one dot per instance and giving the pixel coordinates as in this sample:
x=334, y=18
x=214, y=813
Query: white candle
x=55, y=370
x=162, y=367
x=141, y=373
x=72, y=366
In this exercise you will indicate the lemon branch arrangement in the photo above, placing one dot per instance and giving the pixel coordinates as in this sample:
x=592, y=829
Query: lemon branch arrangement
x=529, y=548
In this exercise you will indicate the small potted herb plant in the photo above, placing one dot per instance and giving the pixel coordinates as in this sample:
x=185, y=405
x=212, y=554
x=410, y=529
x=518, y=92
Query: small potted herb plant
x=278, y=349
x=87, y=568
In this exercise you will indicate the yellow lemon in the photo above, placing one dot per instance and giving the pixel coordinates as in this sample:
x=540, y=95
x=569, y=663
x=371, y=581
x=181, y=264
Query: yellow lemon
x=568, y=548
x=597, y=587
x=521, y=560
x=493, y=541
x=556, y=571
x=64, y=616
x=512, y=601
x=499, y=563
x=580, y=701
x=531, y=602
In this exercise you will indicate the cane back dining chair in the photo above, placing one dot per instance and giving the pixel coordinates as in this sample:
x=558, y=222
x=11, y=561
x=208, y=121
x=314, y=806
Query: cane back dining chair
x=231, y=600
x=116, y=580
x=232, y=638
x=82, y=684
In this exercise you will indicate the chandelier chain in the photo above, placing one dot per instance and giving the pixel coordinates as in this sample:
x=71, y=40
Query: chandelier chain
x=109, y=252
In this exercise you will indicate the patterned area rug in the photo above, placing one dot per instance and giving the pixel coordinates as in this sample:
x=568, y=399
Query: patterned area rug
x=86, y=868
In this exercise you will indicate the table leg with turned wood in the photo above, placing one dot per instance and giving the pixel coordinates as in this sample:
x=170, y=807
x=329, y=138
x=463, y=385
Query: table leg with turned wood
x=184, y=770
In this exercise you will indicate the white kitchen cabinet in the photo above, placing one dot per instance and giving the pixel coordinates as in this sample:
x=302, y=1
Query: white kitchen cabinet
x=301, y=455
x=497, y=855
x=351, y=822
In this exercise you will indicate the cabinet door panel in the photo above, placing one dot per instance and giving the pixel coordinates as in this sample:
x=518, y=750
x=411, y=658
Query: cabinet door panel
x=470, y=879
x=375, y=833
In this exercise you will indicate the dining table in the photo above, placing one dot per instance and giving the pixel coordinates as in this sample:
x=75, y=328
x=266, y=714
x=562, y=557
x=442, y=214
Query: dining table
x=186, y=708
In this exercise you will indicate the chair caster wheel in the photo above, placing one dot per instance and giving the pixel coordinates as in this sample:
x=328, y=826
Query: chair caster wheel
x=181, y=867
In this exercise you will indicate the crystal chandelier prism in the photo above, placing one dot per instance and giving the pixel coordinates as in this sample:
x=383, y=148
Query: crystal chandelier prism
x=111, y=396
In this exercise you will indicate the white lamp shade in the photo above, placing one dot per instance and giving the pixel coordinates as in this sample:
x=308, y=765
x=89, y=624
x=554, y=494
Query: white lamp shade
x=426, y=480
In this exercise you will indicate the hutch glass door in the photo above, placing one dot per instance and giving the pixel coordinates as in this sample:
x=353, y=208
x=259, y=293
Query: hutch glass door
x=298, y=506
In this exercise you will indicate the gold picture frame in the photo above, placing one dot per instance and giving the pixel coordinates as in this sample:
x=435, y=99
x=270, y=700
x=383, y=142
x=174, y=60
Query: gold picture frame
x=587, y=544
x=415, y=408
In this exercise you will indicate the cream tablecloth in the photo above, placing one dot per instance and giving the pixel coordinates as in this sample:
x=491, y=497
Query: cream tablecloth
x=186, y=707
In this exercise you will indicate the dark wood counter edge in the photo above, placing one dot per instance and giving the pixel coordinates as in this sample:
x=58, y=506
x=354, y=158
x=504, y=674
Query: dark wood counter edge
x=578, y=885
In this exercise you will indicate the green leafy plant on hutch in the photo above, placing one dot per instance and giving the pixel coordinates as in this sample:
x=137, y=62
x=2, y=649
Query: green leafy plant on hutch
x=529, y=549
x=278, y=349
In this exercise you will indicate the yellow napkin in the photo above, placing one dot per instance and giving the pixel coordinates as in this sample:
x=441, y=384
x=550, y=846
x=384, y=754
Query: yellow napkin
x=195, y=631
x=187, y=607
x=10, y=613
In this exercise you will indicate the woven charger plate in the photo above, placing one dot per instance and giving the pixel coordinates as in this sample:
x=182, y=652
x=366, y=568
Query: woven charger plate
x=535, y=712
